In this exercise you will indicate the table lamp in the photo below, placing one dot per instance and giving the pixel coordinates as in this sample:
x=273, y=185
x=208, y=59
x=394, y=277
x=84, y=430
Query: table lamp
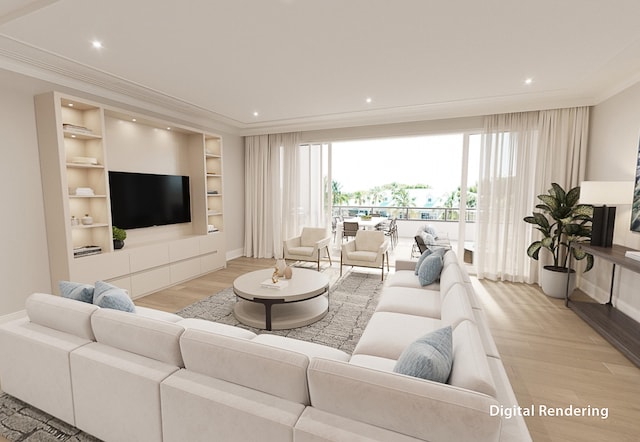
x=603, y=196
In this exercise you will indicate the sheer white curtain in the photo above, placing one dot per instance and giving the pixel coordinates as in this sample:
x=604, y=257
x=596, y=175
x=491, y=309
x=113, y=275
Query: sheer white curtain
x=521, y=155
x=271, y=193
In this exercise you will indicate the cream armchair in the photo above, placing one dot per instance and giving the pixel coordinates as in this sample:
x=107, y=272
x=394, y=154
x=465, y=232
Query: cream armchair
x=309, y=246
x=368, y=249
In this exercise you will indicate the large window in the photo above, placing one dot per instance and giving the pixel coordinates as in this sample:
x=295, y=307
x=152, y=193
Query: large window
x=409, y=177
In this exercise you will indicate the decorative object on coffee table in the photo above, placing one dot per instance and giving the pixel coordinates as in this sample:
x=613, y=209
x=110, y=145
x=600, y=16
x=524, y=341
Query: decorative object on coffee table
x=299, y=302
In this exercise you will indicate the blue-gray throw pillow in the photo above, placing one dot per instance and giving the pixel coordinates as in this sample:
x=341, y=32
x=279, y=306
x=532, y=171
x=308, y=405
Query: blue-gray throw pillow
x=422, y=257
x=76, y=290
x=109, y=296
x=429, y=357
x=430, y=269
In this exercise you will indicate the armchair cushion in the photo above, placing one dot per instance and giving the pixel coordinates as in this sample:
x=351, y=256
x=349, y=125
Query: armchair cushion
x=310, y=236
x=305, y=251
x=369, y=241
x=362, y=255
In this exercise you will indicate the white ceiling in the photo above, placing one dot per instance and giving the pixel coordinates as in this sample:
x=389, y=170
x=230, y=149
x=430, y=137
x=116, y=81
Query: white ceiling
x=310, y=64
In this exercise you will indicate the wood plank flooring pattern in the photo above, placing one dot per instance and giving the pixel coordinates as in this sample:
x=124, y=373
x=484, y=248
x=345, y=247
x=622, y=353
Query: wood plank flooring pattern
x=551, y=356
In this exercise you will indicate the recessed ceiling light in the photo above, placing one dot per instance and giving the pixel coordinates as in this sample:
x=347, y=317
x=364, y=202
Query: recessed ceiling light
x=368, y=100
x=134, y=120
x=168, y=128
x=96, y=44
x=528, y=81
x=70, y=105
x=255, y=114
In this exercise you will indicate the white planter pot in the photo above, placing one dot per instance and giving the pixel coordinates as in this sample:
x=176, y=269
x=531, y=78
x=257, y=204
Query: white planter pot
x=553, y=281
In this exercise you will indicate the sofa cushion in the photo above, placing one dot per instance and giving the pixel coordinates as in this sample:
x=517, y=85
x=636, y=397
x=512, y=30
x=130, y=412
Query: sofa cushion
x=62, y=314
x=216, y=327
x=375, y=362
x=411, y=301
x=109, y=296
x=415, y=407
x=429, y=357
x=151, y=338
x=77, y=291
x=408, y=278
x=456, y=307
x=311, y=349
x=430, y=269
x=274, y=371
x=387, y=334
x=153, y=313
x=470, y=368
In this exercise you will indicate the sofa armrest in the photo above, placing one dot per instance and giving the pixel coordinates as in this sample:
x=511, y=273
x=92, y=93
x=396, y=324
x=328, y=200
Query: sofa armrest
x=415, y=407
x=405, y=264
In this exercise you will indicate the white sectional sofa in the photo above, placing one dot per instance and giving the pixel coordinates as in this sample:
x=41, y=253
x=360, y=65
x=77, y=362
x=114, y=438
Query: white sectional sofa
x=154, y=376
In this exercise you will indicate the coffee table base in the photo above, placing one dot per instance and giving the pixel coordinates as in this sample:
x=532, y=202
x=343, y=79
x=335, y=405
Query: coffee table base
x=283, y=316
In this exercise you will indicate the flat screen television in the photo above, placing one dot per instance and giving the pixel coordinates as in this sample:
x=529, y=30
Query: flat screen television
x=145, y=200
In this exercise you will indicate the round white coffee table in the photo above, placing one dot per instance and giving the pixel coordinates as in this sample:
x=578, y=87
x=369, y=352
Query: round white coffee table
x=299, y=302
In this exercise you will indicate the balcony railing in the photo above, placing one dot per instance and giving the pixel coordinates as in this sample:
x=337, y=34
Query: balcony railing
x=447, y=214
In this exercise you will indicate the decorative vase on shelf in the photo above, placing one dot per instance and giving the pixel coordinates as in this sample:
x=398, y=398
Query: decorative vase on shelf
x=118, y=244
x=281, y=264
x=87, y=220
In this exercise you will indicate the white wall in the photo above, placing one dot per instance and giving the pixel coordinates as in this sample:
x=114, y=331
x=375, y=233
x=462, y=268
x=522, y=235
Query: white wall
x=24, y=266
x=612, y=154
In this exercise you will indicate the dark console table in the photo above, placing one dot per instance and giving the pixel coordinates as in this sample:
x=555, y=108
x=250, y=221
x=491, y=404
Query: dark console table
x=619, y=329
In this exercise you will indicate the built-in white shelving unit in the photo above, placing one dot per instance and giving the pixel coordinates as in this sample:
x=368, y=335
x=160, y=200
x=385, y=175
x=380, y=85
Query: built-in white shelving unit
x=74, y=149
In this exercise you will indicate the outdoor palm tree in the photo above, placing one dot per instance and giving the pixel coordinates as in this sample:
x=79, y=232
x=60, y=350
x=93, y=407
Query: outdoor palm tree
x=339, y=198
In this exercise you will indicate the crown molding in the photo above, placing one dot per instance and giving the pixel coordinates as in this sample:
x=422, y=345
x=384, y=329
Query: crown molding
x=43, y=65
x=34, y=62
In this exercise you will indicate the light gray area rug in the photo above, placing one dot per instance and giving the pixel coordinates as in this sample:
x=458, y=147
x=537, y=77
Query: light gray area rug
x=22, y=422
x=352, y=301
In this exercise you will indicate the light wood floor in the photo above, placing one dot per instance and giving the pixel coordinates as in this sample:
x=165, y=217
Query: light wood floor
x=551, y=356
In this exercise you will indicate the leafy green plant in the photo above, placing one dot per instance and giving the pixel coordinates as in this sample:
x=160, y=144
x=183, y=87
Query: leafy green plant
x=119, y=234
x=562, y=221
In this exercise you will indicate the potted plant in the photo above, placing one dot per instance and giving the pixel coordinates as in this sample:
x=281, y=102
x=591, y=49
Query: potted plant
x=119, y=235
x=562, y=221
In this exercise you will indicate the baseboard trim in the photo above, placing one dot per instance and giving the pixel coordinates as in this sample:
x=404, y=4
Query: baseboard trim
x=233, y=254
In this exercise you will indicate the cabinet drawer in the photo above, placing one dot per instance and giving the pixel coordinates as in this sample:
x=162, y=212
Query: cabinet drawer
x=212, y=261
x=149, y=281
x=184, y=249
x=183, y=270
x=124, y=283
x=213, y=242
x=90, y=269
x=144, y=258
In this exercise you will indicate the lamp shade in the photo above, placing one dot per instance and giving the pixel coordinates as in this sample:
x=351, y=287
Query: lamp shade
x=598, y=193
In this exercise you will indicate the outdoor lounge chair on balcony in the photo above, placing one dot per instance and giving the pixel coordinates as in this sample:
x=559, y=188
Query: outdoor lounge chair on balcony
x=368, y=249
x=309, y=246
